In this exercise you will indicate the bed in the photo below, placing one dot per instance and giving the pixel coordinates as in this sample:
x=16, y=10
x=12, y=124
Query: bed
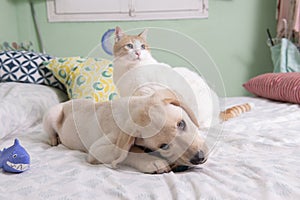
x=256, y=157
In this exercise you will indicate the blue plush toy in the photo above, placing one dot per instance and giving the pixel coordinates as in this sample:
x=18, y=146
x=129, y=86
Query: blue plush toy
x=14, y=159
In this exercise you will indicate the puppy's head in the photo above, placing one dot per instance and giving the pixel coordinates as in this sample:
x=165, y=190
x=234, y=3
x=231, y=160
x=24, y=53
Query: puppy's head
x=175, y=135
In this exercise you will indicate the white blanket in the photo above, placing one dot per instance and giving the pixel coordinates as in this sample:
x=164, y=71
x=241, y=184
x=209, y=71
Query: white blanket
x=256, y=157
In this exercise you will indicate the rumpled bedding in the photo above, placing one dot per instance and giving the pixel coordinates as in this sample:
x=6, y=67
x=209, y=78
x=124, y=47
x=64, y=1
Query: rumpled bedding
x=256, y=156
x=23, y=105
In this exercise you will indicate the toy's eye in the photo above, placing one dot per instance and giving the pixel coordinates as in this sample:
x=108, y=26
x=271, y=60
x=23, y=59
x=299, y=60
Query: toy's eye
x=15, y=155
x=164, y=146
x=143, y=46
x=181, y=125
x=130, y=46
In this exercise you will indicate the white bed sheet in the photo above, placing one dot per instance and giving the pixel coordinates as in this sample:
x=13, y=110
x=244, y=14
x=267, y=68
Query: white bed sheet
x=257, y=157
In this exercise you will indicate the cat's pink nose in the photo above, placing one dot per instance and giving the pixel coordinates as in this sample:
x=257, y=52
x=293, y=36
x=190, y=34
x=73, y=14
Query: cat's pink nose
x=138, y=53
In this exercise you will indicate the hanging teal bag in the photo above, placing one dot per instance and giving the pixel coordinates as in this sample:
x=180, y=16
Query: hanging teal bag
x=285, y=56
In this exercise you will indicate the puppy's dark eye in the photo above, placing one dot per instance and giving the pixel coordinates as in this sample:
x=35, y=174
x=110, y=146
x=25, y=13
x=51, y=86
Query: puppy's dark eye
x=181, y=125
x=130, y=46
x=143, y=46
x=164, y=146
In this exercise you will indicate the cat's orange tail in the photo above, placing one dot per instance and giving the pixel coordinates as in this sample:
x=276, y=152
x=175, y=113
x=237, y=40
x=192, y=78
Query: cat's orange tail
x=235, y=111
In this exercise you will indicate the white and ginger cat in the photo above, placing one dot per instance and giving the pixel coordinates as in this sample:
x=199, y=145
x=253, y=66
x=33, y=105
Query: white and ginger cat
x=132, y=52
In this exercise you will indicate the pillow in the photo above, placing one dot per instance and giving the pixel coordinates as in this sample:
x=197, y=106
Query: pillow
x=89, y=78
x=25, y=67
x=277, y=86
x=24, y=105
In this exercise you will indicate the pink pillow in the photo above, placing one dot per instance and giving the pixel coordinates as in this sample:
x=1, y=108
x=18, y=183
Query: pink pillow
x=277, y=86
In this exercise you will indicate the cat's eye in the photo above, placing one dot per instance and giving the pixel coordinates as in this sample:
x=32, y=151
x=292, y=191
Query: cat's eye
x=130, y=46
x=164, y=147
x=181, y=125
x=143, y=46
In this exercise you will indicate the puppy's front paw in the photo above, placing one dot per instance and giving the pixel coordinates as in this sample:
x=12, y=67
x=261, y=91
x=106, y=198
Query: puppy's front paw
x=157, y=167
x=53, y=141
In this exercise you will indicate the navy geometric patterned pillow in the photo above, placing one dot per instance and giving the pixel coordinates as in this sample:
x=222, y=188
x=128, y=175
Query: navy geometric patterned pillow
x=26, y=67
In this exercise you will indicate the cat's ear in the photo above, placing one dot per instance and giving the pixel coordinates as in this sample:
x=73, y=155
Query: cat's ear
x=144, y=34
x=118, y=34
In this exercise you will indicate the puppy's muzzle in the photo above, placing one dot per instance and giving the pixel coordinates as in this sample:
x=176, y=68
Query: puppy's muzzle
x=199, y=158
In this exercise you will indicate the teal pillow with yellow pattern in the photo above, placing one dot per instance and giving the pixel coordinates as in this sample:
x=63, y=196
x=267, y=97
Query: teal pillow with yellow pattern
x=89, y=78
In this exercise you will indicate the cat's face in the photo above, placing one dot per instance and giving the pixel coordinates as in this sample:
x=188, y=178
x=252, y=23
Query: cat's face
x=133, y=48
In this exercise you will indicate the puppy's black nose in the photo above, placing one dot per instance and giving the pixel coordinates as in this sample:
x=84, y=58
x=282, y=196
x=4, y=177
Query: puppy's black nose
x=199, y=158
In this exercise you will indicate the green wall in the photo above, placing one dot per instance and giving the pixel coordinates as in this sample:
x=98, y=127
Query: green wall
x=8, y=21
x=234, y=36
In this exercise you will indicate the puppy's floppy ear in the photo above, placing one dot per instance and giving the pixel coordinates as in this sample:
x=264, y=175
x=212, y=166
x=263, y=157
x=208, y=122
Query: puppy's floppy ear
x=124, y=143
x=144, y=34
x=118, y=34
x=170, y=98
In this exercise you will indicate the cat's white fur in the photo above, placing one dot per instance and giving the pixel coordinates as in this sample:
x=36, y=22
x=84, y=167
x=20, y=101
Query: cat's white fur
x=131, y=75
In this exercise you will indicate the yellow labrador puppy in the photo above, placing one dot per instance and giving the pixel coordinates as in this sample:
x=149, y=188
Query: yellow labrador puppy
x=111, y=131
